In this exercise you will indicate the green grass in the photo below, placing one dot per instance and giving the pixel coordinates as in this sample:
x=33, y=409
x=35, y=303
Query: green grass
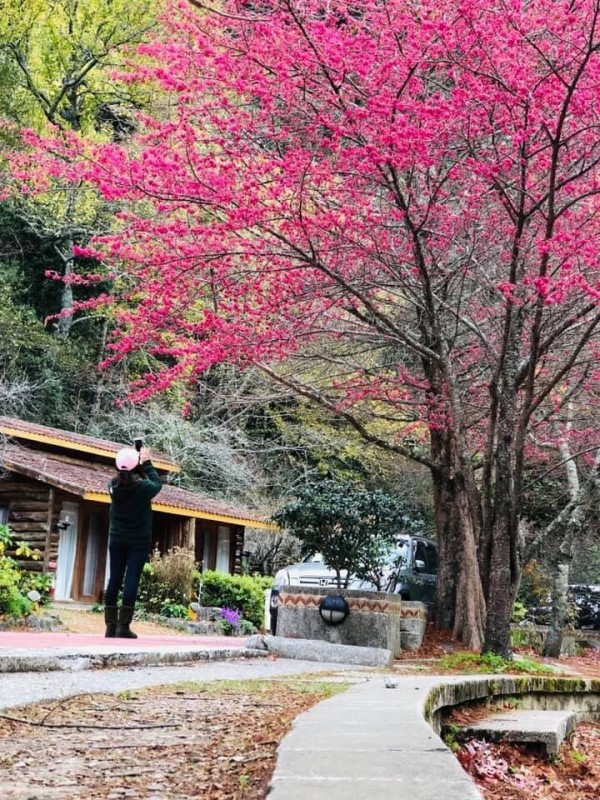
x=473, y=664
x=129, y=694
x=228, y=687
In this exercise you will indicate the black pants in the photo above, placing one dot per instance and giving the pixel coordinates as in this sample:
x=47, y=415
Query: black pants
x=126, y=565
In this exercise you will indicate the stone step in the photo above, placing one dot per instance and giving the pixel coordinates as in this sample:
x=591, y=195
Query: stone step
x=548, y=728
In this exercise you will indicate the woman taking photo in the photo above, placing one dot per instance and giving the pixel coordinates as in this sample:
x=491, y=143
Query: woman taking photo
x=130, y=536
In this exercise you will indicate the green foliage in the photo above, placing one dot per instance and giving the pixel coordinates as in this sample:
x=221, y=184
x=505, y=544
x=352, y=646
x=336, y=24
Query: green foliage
x=58, y=69
x=230, y=621
x=351, y=527
x=40, y=582
x=42, y=377
x=484, y=663
x=519, y=612
x=168, y=582
x=12, y=602
x=263, y=581
x=527, y=637
x=14, y=582
x=578, y=757
x=451, y=738
x=174, y=610
x=128, y=694
x=534, y=589
x=58, y=58
x=240, y=592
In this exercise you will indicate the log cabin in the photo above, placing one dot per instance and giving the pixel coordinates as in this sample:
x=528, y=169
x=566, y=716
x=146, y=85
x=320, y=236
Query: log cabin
x=54, y=498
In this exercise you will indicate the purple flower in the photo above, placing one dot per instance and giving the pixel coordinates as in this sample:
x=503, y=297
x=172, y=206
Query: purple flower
x=232, y=616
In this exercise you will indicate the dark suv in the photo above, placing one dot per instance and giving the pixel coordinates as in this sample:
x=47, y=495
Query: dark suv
x=410, y=570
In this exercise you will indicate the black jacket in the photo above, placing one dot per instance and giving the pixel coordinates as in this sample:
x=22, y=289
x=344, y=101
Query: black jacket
x=131, y=509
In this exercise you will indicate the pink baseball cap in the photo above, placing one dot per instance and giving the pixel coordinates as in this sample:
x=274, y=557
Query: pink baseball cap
x=127, y=459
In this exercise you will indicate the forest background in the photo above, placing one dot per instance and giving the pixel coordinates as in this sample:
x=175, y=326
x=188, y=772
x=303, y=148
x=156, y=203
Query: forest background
x=259, y=421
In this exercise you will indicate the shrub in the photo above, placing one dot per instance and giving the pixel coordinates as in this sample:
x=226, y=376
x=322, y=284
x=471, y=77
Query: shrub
x=247, y=628
x=12, y=602
x=174, y=610
x=264, y=581
x=353, y=528
x=238, y=592
x=168, y=582
x=40, y=582
x=528, y=637
x=519, y=612
x=585, y=601
x=13, y=580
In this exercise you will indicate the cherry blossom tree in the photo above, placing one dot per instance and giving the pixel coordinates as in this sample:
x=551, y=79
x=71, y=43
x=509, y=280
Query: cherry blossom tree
x=392, y=208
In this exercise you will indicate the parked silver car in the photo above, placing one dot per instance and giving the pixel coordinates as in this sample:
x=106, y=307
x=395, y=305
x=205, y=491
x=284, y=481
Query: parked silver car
x=410, y=570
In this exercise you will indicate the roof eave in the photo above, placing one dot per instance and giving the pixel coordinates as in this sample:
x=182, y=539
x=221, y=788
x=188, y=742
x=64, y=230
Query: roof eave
x=104, y=497
x=96, y=450
x=35, y=474
x=166, y=508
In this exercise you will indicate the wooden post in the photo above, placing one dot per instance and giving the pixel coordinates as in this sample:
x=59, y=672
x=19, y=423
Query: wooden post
x=189, y=536
x=50, y=523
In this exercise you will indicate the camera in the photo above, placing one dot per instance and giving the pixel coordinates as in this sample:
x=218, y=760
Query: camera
x=138, y=443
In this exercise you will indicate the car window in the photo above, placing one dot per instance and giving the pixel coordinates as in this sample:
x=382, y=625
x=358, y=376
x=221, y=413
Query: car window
x=313, y=558
x=402, y=553
x=421, y=553
x=432, y=559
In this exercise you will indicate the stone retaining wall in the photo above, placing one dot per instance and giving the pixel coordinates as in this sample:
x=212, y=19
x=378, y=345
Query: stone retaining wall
x=374, y=619
x=413, y=624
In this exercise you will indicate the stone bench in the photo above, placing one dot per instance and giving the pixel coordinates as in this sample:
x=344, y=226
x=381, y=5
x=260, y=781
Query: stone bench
x=548, y=728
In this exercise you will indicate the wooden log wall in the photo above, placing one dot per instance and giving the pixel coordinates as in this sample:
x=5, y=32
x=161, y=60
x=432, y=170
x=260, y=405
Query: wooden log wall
x=30, y=517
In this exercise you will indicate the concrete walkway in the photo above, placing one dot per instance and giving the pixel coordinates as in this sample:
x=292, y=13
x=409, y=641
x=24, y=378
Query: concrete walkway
x=369, y=743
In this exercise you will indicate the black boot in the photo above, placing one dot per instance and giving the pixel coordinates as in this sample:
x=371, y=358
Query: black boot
x=125, y=616
x=110, y=618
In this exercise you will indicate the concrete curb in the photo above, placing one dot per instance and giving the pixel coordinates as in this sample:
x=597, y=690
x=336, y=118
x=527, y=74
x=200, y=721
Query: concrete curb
x=317, y=650
x=77, y=660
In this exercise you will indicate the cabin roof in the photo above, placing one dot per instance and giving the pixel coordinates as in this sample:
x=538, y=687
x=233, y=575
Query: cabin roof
x=74, y=442
x=90, y=482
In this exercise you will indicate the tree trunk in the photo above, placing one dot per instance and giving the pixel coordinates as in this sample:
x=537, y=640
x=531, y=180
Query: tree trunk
x=448, y=539
x=470, y=615
x=564, y=550
x=64, y=248
x=66, y=296
x=100, y=384
x=501, y=594
x=460, y=599
x=504, y=563
x=560, y=587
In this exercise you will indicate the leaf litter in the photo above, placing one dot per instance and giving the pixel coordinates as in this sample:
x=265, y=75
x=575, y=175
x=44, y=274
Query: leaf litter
x=507, y=771
x=519, y=772
x=215, y=741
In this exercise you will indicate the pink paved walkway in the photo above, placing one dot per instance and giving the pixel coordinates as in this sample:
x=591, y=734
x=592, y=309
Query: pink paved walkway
x=35, y=640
